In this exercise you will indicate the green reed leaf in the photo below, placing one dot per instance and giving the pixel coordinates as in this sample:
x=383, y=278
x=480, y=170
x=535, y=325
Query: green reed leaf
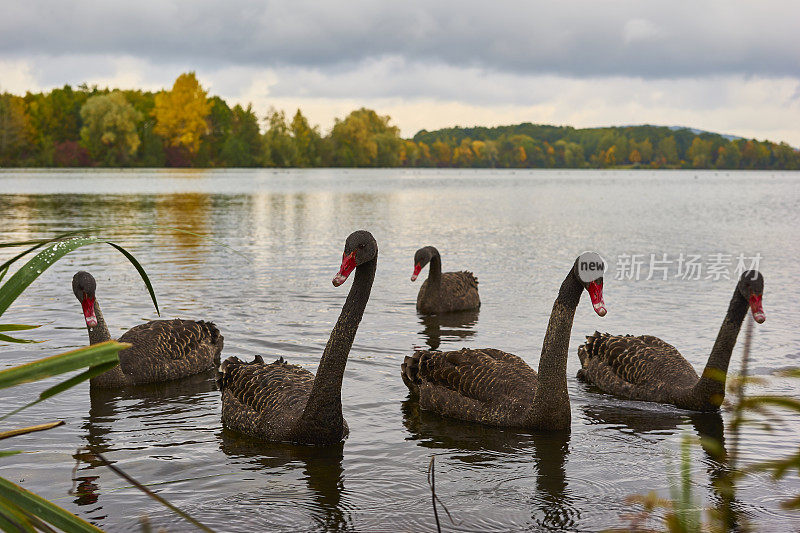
x=16, y=327
x=6, y=453
x=6, y=338
x=88, y=356
x=31, y=270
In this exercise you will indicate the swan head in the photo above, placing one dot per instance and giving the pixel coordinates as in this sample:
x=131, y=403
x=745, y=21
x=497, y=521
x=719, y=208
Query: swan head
x=751, y=287
x=84, y=285
x=422, y=258
x=359, y=248
x=589, y=268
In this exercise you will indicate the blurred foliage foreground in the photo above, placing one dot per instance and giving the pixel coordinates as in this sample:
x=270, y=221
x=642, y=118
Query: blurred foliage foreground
x=680, y=513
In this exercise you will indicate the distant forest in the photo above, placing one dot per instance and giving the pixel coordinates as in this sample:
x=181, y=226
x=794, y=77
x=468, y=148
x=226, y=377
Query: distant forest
x=184, y=127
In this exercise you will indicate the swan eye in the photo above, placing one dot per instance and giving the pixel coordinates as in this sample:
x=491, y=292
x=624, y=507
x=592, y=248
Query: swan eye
x=362, y=245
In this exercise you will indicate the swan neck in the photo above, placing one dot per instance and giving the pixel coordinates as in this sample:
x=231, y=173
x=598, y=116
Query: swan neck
x=435, y=270
x=710, y=389
x=98, y=333
x=551, y=409
x=324, y=406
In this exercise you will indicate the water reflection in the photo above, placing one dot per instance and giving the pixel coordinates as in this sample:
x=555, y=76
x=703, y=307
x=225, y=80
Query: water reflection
x=118, y=417
x=188, y=211
x=553, y=501
x=553, y=505
x=323, y=471
x=450, y=327
x=710, y=429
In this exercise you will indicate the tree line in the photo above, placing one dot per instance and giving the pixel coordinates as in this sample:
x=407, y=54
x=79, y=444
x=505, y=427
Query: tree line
x=185, y=127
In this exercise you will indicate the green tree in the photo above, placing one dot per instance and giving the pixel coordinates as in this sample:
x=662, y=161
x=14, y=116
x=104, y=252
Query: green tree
x=109, y=130
x=307, y=142
x=279, y=145
x=786, y=157
x=728, y=156
x=15, y=130
x=365, y=139
x=219, y=121
x=55, y=118
x=645, y=149
x=151, y=150
x=243, y=146
x=668, y=151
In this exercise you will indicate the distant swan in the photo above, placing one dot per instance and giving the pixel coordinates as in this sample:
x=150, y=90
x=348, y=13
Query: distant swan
x=499, y=388
x=283, y=402
x=443, y=293
x=162, y=349
x=648, y=369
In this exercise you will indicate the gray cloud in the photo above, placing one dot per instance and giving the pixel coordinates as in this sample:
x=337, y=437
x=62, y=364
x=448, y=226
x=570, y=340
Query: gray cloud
x=586, y=38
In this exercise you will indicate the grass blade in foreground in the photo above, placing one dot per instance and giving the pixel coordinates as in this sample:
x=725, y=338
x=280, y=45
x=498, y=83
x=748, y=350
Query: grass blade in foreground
x=41, y=508
x=30, y=429
x=31, y=270
x=94, y=355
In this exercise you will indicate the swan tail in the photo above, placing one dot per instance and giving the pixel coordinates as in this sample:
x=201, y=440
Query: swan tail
x=215, y=338
x=231, y=368
x=593, y=347
x=471, y=278
x=410, y=372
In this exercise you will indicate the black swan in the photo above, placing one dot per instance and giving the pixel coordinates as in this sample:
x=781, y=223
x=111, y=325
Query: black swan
x=648, y=369
x=443, y=293
x=499, y=388
x=286, y=403
x=162, y=350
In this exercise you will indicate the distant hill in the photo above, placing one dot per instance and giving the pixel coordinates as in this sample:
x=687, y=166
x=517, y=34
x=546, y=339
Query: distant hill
x=698, y=132
x=547, y=146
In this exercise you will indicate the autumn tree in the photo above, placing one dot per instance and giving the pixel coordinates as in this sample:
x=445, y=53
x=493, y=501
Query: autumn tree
x=15, y=129
x=441, y=153
x=699, y=153
x=463, y=156
x=181, y=114
x=109, y=129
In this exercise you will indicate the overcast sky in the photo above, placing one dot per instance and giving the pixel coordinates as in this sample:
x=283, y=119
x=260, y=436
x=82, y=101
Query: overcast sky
x=728, y=66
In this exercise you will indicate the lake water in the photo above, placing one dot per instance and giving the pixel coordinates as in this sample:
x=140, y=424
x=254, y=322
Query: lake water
x=519, y=231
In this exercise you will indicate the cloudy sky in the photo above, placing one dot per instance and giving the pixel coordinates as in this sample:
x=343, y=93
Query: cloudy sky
x=728, y=66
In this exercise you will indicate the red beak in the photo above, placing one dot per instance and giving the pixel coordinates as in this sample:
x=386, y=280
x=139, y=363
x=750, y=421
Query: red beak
x=755, y=307
x=596, y=294
x=348, y=264
x=417, y=268
x=88, y=310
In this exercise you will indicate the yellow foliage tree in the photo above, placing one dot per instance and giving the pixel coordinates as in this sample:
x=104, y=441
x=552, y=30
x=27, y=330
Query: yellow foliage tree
x=181, y=113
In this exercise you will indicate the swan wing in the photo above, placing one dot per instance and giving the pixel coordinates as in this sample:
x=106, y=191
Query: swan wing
x=634, y=367
x=485, y=375
x=170, y=349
